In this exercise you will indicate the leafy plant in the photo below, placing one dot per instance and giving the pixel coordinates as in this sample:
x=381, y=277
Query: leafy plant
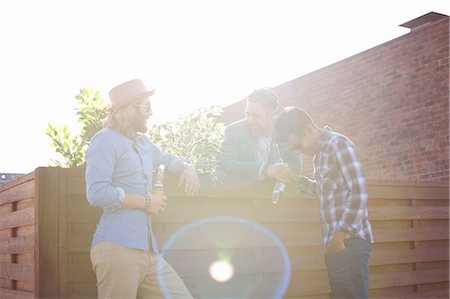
x=196, y=136
x=91, y=111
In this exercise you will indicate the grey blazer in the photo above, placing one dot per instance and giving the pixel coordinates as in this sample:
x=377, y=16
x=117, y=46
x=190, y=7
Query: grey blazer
x=238, y=156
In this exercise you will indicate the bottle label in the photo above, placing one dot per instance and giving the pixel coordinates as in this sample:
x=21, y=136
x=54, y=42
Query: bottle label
x=158, y=189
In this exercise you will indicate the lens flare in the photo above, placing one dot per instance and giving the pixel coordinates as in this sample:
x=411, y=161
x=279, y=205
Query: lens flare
x=221, y=271
x=216, y=238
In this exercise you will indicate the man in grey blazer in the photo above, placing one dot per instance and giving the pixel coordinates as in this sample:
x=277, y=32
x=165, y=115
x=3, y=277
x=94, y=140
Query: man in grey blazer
x=248, y=153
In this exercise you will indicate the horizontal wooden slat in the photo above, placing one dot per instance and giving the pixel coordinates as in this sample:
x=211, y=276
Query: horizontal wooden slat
x=80, y=213
x=294, y=235
x=431, y=294
x=17, y=218
x=14, y=294
x=260, y=214
x=441, y=293
x=17, y=181
x=18, y=192
x=297, y=213
x=403, y=183
x=25, y=286
x=23, y=272
x=240, y=286
x=410, y=192
x=314, y=260
x=316, y=296
x=244, y=261
x=227, y=234
x=17, y=245
x=408, y=213
x=291, y=235
x=207, y=237
x=235, y=201
x=403, y=256
x=308, y=282
x=311, y=282
x=238, y=236
x=393, y=279
x=411, y=234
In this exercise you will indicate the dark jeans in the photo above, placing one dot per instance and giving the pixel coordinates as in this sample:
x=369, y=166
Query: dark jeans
x=348, y=270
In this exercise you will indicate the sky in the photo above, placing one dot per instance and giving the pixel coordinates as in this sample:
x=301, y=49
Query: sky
x=194, y=53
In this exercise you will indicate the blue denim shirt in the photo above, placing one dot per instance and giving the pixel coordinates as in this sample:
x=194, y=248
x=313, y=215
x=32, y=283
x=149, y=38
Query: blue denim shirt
x=116, y=165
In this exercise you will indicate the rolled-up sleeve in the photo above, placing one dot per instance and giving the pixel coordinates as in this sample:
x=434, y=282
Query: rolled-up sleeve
x=100, y=160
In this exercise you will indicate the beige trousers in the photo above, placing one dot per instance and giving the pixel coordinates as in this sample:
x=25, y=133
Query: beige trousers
x=128, y=273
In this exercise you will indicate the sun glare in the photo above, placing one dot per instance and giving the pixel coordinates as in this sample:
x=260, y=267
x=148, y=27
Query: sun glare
x=221, y=271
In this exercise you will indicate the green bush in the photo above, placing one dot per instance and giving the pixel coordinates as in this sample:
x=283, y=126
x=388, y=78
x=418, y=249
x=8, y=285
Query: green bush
x=91, y=111
x=196, y=136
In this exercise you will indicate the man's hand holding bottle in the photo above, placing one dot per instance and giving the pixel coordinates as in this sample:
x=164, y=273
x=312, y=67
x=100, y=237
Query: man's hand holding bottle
x=281, y=172
x=156, y=203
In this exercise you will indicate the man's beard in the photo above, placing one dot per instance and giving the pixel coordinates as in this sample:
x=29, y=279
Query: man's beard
x=140, y=124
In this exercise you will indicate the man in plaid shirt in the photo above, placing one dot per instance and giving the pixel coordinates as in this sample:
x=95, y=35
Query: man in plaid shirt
x=341, y=188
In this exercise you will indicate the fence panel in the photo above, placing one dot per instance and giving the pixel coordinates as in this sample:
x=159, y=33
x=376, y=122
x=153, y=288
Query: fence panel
x=46, y=226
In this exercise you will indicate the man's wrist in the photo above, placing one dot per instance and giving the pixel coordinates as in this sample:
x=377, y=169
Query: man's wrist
x=147, y=201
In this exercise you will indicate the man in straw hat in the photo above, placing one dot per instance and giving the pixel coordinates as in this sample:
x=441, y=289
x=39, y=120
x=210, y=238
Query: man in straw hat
x=120, y=161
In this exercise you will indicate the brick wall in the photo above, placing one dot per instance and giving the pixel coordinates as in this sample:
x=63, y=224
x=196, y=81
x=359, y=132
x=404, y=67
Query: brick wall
x=391, y=100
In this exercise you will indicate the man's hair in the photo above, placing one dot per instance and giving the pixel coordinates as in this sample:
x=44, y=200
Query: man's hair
x=292, y=121
x=121, y=119
x=264, y=96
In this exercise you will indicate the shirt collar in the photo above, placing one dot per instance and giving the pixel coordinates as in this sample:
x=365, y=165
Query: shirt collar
x=324, y=138
x=264, y=138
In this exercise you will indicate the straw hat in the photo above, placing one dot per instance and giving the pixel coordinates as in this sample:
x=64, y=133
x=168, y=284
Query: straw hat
x=128, y=92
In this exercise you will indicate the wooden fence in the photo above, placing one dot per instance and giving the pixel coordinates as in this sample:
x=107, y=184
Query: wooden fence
x=46, y=227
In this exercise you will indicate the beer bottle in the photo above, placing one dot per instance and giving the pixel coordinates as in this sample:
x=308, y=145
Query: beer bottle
x=158, y=186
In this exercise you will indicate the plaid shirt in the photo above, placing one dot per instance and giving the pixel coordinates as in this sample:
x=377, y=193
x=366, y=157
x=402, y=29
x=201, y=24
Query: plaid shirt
x=341, y=188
